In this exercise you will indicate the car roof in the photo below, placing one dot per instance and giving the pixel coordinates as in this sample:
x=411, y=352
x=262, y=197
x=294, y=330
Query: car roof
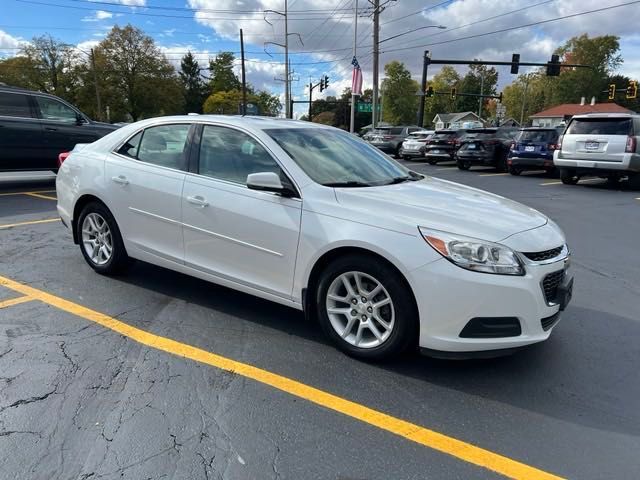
x=607, y=115
x=249, y=121
x=12, y=89
x=538, y=129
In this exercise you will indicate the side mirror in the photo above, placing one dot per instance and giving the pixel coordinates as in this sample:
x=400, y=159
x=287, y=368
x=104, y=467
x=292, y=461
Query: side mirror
x=80, y=120
x=269, y=182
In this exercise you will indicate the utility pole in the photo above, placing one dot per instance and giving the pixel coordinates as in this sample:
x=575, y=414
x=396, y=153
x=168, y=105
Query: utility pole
x=423, y=88
x=524, y=99
x=354, y=96
x=287, y=94
x=244, y=80
x=310, y=100
x=376, y=54
x=481, y=97
x=95, y=81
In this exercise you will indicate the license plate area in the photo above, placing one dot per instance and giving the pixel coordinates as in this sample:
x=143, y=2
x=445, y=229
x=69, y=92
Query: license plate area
x=591, y=145
x=529, y=148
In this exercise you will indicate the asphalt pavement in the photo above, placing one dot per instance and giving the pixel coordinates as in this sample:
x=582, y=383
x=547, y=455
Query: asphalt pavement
x=107, y=378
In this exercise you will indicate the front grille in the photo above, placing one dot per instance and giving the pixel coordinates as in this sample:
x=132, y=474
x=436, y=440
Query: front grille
x=545, y=255
x=550, y=285
x=549, y=322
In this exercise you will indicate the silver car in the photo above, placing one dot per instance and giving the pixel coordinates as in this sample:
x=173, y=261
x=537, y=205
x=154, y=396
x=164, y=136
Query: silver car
x=603, y=145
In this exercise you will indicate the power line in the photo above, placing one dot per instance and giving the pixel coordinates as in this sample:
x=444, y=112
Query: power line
x=422, y=10
x=526, y=25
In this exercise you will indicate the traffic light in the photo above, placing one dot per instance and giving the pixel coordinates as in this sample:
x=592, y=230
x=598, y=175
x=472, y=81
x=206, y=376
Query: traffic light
x=429, y=92
x=612, y=91
x=326, y=82
x=322, y=85
x=553, y=67
x=515, y=63
x=453, y=92
x=632, y=90
x=500, y=98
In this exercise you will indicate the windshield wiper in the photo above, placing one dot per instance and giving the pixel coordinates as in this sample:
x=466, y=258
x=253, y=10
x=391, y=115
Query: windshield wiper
x=395, y=180
x=348, y=184
x=415, y=176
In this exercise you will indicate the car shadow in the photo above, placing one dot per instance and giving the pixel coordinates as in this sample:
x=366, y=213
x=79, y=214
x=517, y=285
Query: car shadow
x=571, y=378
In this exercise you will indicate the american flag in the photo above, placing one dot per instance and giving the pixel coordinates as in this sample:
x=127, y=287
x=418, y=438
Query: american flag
x=356, y=77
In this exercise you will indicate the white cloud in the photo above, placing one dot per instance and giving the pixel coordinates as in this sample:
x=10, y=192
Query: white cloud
x=129, y=3
x=97, y=16
x=9, y=45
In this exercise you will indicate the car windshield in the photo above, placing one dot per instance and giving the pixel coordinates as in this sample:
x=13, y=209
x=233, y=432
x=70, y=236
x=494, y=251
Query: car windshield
x=335, y=158
x=541, y=136
x=416, y=136
x=600, y=126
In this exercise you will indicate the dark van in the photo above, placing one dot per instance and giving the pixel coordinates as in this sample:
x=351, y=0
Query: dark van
x=35, y=127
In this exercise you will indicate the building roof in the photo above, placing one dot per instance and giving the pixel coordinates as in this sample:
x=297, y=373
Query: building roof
x=570, y=109
x=454, y=117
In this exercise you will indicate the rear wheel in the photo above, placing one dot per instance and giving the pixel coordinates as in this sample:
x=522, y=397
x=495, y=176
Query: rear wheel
x=463, y=164
x=634, y=181
x=398, y=152
x=100, y=240
x=432, y=161
x=515, y=170
x=366, y=308
x=613, y=180
x=568, y=176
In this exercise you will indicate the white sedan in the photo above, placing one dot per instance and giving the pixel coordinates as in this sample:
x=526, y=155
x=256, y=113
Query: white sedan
x=311, y=217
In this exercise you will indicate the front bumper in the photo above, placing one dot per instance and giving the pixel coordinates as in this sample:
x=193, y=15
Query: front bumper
x=449, y=297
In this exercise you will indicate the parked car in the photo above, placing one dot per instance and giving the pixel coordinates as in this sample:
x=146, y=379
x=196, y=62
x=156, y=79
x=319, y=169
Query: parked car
x=414, y=145
x=389, y=139
x=533, y=150
x=267, y=207
x=442, y=146
x=35, y=127
x=603, y=145
x=484, y=146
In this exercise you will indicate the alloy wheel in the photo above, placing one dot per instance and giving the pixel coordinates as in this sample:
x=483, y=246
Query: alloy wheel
x=97, y=239
x=360, y=309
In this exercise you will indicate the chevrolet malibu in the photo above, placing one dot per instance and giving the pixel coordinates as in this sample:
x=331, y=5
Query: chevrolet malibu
x=311, y=217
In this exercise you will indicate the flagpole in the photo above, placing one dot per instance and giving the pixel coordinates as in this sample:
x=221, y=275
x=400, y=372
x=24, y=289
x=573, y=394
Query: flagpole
x=354, y=97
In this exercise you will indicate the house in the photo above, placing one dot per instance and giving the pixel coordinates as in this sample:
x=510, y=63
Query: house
x=455, y=120
x=554, y=116
x=509, y=122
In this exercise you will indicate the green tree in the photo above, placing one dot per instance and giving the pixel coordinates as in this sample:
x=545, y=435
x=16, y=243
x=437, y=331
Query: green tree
x=269, y=105
x=479, y=78
x=443, y=81
x=136, y=71
x=222, y=77
x=21, y=71
x=193, y=89
x=399, y=99
x=602, y=53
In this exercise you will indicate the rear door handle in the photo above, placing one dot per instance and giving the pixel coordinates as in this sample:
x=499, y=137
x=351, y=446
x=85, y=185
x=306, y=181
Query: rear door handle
x=120, y=180
x=197, y=200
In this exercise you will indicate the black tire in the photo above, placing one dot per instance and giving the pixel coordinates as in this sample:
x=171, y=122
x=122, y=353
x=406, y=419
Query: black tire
x=613, y=180
x=432, y=161
x=405, y=330
x=514, y=170
x=568, y=176
x=398, y=153
x=463, y=165
x=119, y=260
x=634, y=181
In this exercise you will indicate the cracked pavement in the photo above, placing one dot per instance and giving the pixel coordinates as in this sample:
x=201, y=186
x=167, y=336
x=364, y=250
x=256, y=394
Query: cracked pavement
x=78, y=401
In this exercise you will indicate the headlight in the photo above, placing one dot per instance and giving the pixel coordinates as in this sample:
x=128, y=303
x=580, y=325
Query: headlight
x=474, y=254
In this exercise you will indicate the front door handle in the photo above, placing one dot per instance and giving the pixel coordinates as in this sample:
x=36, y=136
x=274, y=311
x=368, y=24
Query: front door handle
x=120, y=180
x=197, y=200
x=51, y=129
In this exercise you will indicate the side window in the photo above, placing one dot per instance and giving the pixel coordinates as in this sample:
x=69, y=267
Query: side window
x=164, y=145
x=57, y=111
x=14, y=105
x=228, y=154
x=130, y=148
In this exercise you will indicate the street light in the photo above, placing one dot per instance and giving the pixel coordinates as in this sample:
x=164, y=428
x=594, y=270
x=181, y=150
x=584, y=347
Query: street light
x=441, y=27
x=376, y=53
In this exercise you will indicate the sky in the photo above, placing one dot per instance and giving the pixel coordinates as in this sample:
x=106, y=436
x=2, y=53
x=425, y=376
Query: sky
x=326, y=32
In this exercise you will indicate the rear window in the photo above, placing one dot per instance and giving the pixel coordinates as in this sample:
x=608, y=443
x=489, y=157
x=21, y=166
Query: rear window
x=396, y=131
x=600, y=126
x=14, y=105
x=542, y=136
x=444, y=136
x=419, y=135
x=483, y=135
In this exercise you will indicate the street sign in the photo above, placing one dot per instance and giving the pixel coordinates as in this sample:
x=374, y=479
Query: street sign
x=366, y=107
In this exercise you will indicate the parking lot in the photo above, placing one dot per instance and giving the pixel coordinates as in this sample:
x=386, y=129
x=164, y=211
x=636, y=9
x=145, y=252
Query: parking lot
x=159, y=375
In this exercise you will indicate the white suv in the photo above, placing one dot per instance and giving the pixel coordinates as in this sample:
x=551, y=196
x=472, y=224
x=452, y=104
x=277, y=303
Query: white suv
x=604, y=145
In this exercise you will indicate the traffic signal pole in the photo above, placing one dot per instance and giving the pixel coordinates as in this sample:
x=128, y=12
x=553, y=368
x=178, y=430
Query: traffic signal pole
x=376, y=54
x=423, y=88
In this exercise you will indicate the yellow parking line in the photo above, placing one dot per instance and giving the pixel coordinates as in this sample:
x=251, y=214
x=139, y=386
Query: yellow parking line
x=39, y=195
x=33, y=222
x=15, y=301
x=551, y=183
x=7, y=194
x=412, y=432
x=446, y=168
x=581, y=181
x=493, y=174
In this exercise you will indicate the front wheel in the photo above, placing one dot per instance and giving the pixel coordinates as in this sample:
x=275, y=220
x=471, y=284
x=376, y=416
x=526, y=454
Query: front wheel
x=366, y=308
x=568, y=176
x=100, y=240
x=432, y=161
x=514, y=170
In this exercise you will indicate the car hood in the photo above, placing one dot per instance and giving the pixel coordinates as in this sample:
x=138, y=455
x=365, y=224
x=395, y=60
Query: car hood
x=446, y=206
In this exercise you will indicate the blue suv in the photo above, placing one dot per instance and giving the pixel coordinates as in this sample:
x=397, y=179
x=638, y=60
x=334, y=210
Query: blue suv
x=533, y=150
